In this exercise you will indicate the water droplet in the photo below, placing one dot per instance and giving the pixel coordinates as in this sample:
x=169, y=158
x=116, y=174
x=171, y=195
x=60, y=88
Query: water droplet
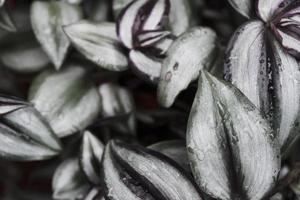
x=168, y=76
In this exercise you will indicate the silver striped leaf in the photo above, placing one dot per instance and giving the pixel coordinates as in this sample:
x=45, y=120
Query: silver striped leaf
x=137, y=173
x=67, y=99
x=270, y=79
x=118, y=101
x=99, y=43
x=48, y=29
x=233, y=152
x=267, y=9
x=69, y=182
x=90, y=157
x=188, y=54
x=25, y=135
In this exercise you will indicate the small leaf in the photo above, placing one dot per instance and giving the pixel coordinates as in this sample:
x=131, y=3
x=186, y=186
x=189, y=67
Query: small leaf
x=233, y=152
x=187, y=55
x=90, y=157
x=48, y=29
x=180, y=18
x=244, y=7
x=10, y=104
x=174, y=149
x=98, y=43
x=116, y=101
x=6, y=22
x=137, y=173
x=69, y=182
x=67, y=99
x=25, y=135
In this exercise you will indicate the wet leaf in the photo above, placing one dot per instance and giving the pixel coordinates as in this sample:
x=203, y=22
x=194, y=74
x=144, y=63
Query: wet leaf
x=25, y=135
x=136, y=173
x=48, y=29
x=69, y=182
x=90, y=157
x=267, y=9
x=67, y=99
x=232, y=150
x=187, y=55
x=99, y=43
x=117, y=101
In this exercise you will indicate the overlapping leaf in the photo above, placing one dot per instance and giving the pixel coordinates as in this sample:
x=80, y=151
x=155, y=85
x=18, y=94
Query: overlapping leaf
x=232, y=150
x=99, y=43
x=137, y=173
x=48, y=29
x=24, y=133
x=6, y=22
x=67, y=99
x=245, y=7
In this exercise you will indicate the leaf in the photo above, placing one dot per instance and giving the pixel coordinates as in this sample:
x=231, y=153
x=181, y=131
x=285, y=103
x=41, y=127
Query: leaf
x=187, y=55
x=22, y=53
x=286, y=30
x=2, y=2
x=174, y=149
x=286, y=83
x=10, y=104
x=270, y=79
x=25, y=135
x=180, y=18
x=267, y=9
x=98, y=42
x=232, y=150
x=67, y=99
x=244, y=7
x=69, y=182
x=137, y=173
x=6, y=22
x=90, y=157
x=138, y=16
x=48, y=29
x=117, y=101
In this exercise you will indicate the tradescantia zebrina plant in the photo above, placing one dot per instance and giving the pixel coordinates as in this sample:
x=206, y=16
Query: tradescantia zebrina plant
x=95, y=76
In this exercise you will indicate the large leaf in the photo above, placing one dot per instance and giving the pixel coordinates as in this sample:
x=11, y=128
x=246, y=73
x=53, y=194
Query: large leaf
x=232, y=150
x=270, y=79
x=25, y=135
x=98, y=42
x=118, y=101
x=267, y=9
x=90, y=157
x=67, y=99
x=187, y=55
x=48, y=28
x=137, y=173
x=69, y=182
x=245, y=7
